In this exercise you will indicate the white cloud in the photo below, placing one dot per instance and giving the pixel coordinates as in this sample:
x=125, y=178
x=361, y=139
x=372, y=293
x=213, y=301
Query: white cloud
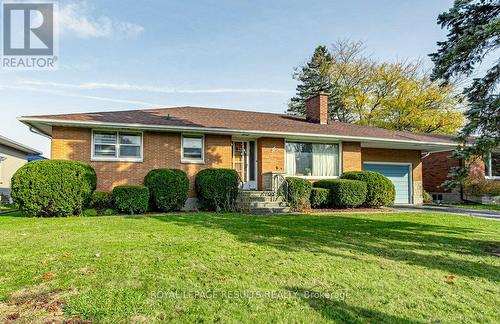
x=146, y=88
x=75, y=19
x=76, y=95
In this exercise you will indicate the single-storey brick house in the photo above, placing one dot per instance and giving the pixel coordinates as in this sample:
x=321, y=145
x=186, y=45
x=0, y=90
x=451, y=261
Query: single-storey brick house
x=123, y=146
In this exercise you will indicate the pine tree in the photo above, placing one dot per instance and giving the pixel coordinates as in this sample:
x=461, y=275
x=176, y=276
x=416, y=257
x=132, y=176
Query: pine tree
x=312, y=79
x=474, y=34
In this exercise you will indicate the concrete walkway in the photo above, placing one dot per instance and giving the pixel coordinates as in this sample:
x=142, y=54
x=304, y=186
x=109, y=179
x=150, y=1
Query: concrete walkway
x=482, y=213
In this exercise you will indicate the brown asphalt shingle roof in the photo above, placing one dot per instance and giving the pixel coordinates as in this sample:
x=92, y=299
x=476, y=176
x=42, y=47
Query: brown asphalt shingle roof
x=243, y=120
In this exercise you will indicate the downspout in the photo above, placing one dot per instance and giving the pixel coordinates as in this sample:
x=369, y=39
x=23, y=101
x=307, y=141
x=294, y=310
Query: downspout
x=423, y=156
x=36, y=131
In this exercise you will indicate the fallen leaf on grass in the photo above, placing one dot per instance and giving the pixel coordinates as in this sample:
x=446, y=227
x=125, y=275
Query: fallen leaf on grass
x=48, y=276
x=449, y=279
x=66, y=254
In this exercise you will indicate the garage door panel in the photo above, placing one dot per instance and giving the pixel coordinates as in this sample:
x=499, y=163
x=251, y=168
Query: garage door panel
x=399, y=176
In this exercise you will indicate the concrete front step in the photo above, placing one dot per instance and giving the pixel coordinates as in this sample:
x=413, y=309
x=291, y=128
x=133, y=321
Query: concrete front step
x=262, y=199
x=245, y=202
x=266, y=211
x=261, y=202
x=256, y=194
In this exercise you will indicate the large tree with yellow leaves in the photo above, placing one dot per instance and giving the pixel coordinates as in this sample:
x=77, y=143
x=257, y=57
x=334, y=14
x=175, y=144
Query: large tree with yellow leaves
x=397, y=96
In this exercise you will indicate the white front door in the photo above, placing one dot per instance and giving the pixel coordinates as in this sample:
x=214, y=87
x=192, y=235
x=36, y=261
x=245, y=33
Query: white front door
x=244, y=162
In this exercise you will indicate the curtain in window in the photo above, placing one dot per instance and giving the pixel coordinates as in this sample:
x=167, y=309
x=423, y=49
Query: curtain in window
x=290, y=159
x=325, y=160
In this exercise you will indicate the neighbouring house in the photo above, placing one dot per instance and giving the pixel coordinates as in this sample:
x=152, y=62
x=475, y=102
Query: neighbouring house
x=435, y=168
x=13, y=155
x=437, y=165
x=123, y=146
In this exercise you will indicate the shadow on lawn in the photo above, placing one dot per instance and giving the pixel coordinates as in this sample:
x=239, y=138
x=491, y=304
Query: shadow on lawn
x=340, y=311
x=393, y=240
x=13, y=213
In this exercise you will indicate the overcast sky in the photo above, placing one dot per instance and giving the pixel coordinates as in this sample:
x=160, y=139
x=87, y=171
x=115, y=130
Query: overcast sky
x=117, y=55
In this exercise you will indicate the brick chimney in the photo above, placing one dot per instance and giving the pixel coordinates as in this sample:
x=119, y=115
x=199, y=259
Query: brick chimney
x=317, y=109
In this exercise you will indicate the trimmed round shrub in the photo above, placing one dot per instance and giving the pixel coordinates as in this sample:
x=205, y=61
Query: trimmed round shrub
x=90, y=212
x=53, y=187
x=380, y=190
x=101, y=200
x=298, y=193
x=131, y=199
x=319, y=197
x=344, y=193
x=168, y=188
x=108, y=212
x=217, y=189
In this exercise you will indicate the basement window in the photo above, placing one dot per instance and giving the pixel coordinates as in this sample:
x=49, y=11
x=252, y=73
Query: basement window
x=116, y=146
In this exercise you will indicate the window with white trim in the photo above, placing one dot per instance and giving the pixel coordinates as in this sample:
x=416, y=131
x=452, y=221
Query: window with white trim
x=117, y=145
x=192, y=148
x=492, y=165
x=312, y=159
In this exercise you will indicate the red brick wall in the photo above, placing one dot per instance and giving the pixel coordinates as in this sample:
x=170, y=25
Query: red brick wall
x=351, y=156
x=161, y=150
x=401, y=156
x=270, y=156
x=317, y=108
x=435, y=170
x=437, y=165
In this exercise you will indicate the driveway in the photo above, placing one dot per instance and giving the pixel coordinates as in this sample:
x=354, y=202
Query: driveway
x=489, y=214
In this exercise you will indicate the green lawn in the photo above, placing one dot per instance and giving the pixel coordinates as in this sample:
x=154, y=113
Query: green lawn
x=477, y=206
x=391, y=267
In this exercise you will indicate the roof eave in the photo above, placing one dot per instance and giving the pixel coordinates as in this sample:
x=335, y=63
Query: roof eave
x=35, y=123
x=18, y=146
